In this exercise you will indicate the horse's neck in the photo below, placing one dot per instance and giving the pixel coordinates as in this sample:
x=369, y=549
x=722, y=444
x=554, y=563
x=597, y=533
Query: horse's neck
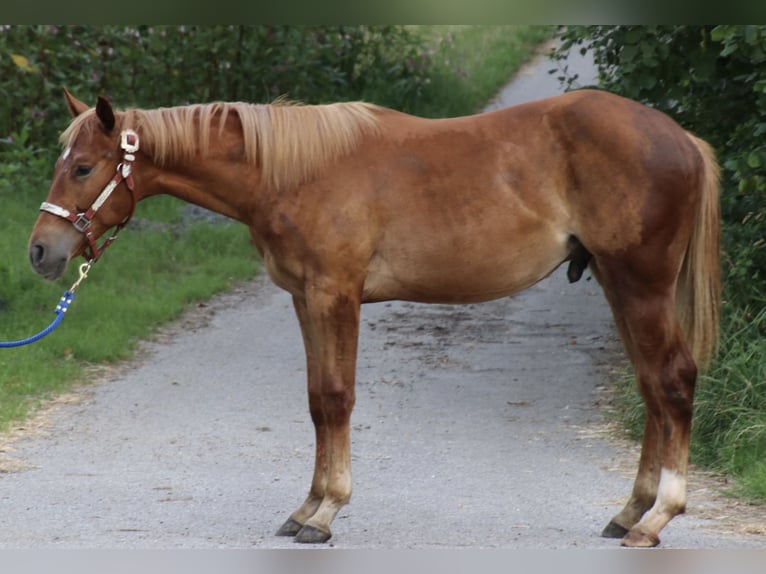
x=207, y=181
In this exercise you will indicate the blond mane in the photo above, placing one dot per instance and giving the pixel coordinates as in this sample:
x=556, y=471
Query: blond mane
x=291, y=143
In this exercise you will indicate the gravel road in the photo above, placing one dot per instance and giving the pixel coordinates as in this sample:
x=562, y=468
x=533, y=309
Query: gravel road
x=476, y=426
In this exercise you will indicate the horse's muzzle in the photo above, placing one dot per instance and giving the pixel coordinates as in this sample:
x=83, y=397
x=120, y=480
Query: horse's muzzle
x=47, y=261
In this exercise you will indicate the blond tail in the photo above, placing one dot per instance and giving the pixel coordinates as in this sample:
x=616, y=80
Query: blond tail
x=698, y=294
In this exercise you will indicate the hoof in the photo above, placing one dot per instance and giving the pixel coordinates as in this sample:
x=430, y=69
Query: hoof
x=289, y=528
x=639, y=539
x=311, y=535
x=614, y=530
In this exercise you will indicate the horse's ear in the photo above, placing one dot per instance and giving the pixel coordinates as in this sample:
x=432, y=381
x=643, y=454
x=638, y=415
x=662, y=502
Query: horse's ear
x=75, y=106
x=105, y=113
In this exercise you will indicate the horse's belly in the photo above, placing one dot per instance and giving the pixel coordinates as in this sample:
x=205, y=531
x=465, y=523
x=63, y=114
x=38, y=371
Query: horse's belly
x=460, y=276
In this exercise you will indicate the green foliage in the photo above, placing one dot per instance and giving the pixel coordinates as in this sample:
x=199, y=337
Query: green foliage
x=153, y=66
x=712, y=79
x=415, y=69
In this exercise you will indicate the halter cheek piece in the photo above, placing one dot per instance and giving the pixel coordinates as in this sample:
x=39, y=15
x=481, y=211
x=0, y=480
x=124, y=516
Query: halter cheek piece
x=82, y=221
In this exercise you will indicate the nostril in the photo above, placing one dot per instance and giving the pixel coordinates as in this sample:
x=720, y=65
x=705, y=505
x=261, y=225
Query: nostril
x=37, y=254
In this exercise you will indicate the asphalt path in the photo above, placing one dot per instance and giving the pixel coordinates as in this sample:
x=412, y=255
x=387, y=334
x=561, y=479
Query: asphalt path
x=476, y=426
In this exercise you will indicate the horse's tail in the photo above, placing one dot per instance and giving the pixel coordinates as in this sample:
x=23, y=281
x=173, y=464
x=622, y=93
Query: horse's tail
x=698, y=293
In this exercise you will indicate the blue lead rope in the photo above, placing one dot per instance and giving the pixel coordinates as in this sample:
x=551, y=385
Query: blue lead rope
x=60, y=311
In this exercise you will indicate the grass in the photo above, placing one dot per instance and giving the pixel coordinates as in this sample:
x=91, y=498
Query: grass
x=149, y=276
x=729, y=431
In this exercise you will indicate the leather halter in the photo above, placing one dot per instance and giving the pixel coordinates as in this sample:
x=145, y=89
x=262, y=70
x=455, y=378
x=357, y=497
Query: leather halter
x=82, y=221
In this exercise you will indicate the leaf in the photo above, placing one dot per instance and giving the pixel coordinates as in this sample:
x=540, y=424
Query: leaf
x=628, y=52
x=23, y=63
x=721, y=33
x=633, y=35
x=729, y=50
x=751, y=34
x=648, y=81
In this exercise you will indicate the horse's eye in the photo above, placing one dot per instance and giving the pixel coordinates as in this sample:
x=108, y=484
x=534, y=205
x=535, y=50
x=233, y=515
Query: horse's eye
x=82, y=171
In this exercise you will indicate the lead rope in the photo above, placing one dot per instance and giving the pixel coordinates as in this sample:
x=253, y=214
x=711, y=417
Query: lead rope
x=60, y=310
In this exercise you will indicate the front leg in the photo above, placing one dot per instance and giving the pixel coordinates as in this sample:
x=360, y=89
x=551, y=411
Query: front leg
x=298, y=518
x=329, y=322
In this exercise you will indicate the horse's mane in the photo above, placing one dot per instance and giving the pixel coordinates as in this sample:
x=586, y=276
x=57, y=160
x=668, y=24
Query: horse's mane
x=289, y=142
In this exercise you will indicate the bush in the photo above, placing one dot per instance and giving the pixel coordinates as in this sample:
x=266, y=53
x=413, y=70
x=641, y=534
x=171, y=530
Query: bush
x=153, y=66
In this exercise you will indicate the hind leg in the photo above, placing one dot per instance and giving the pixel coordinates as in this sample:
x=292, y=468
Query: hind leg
x=648, y=475
x=667, y=380
x=666, y=375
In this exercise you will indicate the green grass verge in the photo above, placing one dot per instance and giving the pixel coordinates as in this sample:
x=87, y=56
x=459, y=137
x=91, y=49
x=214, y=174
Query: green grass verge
x=149, y=277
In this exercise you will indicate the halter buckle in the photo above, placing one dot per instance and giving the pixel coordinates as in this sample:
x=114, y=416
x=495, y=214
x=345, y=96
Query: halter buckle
x=82, y=223
x=129, y=141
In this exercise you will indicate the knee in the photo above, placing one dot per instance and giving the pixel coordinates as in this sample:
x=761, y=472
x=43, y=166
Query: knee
x=332, y=404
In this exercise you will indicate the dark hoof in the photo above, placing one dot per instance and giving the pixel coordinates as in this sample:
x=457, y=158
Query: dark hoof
x=310, y=535
x=289, y=528
x=614, y=530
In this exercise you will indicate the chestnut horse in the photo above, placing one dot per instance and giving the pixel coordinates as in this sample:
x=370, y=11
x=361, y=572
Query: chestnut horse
x=350, y=203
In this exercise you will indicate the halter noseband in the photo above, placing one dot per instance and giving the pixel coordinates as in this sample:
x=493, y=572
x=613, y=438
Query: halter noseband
x=82, y=221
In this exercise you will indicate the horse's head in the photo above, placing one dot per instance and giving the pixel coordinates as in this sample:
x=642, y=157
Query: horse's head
x=80, y=207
